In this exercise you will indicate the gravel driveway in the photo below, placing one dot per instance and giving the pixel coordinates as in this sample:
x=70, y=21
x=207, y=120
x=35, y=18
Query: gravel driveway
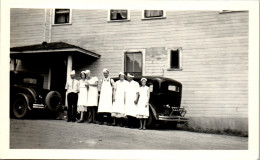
x=59, y=134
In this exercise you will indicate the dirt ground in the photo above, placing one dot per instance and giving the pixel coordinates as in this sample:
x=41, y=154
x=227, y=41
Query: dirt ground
x=59, y=134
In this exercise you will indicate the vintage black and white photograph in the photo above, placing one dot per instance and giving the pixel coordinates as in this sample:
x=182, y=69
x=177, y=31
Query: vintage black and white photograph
x=129, y=79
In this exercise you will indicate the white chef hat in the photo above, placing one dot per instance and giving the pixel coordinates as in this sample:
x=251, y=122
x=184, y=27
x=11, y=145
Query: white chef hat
x=87, y=71
x=72, y=72
x=144, y=79
x=121, y=73
x=129, y=75
x=105, y=70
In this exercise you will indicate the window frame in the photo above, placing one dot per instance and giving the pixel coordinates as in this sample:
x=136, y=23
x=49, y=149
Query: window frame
x=150, y=18
x=142, y=51
x=53, y=17
x=119, y=20
x=180, y=68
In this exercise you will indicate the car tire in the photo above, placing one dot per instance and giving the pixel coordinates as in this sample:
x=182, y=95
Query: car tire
x=53, y=101
x=20, y=108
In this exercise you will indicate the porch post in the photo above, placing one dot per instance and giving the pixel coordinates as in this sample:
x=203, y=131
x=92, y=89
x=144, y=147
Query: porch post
x=69, y=69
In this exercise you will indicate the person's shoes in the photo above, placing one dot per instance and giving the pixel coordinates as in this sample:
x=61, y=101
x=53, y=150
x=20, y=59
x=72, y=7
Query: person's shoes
x=109, y=124
x=113, y=124
x=140, y=128
x=144, y=128
x=80, y=121
x=68, y=120
x=100, y=123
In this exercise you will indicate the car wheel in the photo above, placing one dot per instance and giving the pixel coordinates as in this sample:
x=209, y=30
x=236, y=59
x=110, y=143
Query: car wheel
x=20, y=108
x=53, y=101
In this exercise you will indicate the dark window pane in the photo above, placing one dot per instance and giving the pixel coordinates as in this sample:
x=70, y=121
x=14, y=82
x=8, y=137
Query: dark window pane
x=175, y=59
x=129, y=62
x=118, y=14
x=153, y=13
x=133, y=63
x=62, y=16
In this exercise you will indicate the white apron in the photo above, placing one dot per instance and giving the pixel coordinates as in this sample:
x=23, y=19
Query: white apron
x=105, y=101
x=143, y=99
x=130, y=106
x=83, y=93
x=118, y=109
x=92, y=92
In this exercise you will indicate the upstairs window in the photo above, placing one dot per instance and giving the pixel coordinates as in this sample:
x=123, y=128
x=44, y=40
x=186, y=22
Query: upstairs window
x=175, y=59
x=119, y=15
x=62, y=16
x=153, y=14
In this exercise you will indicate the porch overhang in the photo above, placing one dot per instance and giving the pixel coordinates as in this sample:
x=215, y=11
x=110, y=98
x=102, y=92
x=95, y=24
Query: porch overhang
x=50, y=49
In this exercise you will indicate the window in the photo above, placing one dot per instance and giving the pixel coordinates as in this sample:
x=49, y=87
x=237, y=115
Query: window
x=62, y=16
x=175, y=59
x=118, y=15
x=153, y=14
x=30, y=81
x=133, y=63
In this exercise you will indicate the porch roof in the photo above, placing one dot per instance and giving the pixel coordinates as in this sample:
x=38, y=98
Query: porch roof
x=53, y=47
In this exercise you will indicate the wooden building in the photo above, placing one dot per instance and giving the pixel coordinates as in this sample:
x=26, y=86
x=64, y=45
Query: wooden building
x=205, y=50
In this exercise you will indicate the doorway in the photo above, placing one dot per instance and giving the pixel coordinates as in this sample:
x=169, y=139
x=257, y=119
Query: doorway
x=58, y=77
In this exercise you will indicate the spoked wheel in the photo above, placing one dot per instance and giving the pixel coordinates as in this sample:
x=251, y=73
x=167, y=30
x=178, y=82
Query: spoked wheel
x=20, y=108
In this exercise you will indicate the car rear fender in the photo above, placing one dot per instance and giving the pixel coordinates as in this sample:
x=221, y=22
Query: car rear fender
x=27, y=98
x=27, y=91
x=153, y=111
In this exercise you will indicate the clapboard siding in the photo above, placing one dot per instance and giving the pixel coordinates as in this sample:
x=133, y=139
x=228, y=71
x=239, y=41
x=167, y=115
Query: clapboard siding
x=214, y=50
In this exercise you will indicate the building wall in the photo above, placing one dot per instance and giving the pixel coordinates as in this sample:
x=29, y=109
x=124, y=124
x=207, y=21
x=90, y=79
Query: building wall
x=215, y=55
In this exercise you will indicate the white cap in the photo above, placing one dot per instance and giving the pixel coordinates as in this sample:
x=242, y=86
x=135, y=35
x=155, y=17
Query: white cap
x=87, y=71
x=121, y=73
x=72, y=72
x=129, y=75
x=143, y=79
x=105, y=70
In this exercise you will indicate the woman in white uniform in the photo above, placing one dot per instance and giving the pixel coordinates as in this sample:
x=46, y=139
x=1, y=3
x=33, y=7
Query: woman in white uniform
x=83, y=93
x=92, y=100
x=118, y=109
x=143, y=104
x=131, y=99
x=106, y=96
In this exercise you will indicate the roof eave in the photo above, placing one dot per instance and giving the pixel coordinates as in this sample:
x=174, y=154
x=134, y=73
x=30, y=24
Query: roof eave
x=59, y=50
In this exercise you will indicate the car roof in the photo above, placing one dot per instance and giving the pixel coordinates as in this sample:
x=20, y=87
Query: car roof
x=158, y=78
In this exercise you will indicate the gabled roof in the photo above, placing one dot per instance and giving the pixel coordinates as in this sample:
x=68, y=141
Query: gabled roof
x=51, y=47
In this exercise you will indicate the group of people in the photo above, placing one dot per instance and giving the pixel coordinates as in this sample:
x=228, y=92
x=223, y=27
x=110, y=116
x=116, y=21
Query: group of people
x=120, y=102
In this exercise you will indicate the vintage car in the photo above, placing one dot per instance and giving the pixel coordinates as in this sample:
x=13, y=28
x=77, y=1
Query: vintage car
x=165, y=100
x=27, y=95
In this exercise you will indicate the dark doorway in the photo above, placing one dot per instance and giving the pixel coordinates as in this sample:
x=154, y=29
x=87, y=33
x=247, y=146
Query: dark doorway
x=58, y=76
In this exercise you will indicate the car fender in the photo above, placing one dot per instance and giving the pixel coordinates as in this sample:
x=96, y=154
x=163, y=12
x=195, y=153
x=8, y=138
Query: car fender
x=26, y=97
x=26, y=89
x=151, y=106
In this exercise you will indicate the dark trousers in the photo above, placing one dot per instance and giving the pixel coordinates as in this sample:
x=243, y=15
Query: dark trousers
x=102, y=118
x=72, y=106
x=92, y=112
x=130, y=121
